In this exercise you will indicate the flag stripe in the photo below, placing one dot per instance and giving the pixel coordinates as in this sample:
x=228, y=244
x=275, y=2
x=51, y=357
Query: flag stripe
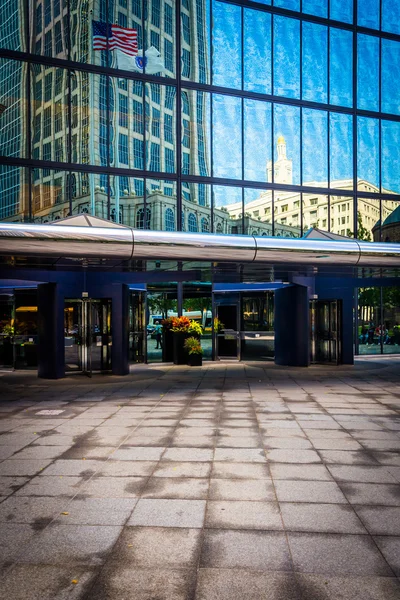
x=116, y=36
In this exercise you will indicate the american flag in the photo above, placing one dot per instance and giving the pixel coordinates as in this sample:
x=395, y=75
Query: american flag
x=117, y=36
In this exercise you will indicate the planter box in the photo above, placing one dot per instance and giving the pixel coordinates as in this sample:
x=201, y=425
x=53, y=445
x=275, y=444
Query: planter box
x=168, y=346
x=180, y=355
x=195, y=360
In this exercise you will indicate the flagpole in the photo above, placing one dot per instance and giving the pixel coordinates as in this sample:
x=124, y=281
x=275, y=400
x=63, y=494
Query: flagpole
x=116, y=154
x=91, y=121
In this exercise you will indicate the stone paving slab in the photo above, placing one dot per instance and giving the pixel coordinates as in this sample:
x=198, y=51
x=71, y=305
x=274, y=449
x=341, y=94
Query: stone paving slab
x=232, y=481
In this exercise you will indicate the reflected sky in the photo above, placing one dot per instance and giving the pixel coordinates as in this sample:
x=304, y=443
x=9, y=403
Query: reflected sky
x=368, y=150
x=315, y=146
x=368, y=72
x=390, y=77
x=341, y=67
x=257, y=139
x=257, y=58
x=315, y=62
x=368, y=13
x=287, y=57
x=227, y=137
x=227, y=56
x=341, y=146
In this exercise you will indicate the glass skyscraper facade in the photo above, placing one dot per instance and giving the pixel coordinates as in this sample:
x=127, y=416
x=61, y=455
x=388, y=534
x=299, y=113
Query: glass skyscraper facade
x=264, y=118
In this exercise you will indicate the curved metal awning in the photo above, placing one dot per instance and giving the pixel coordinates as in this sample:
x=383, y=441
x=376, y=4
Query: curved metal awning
x=105, y=240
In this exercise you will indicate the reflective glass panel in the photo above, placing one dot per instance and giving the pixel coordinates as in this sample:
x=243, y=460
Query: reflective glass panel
x=315, y=209
x=341, y=150
x=369, y=320
x=227, y=45
x=196, y=200
x=126, y=197
x=289, y=4
x=12, y=25
x=286, y=144
x=341, y=10
x=368, y=154
x=13, y=108
x=391, y=16
x=195, y=133
x=91, y=125
x=89, y=193
x=49, y=27
x=368, y=219
x=315, y=147
x=368, y=72
x=258, y=212
x=315, y=7
x=227, y=137
x=51, y=194
x=342, y=216
x=286, y=57
x=390, y=221
x=195, y=36
x=160, y=109
x=391, y=320
x=257, y=140
x=14, y=194
x=368, y=13
x=390, y=144
x=49, y=113
x=159, y=211
x=390, y=77
x=315, y=62
x=225, y=204
x=257, y=55
x=341, y=67
x=287, y=214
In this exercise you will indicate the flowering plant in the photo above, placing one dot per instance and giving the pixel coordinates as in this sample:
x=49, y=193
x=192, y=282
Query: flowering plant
x=192, y=346
x=167, y=323
x=180, y=324
x=195, y=328
x=218, y=325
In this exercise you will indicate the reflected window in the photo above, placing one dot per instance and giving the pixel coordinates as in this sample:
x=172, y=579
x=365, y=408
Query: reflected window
x=140, y=220
x=205, y=225
x=192, y=223
x=169, y=220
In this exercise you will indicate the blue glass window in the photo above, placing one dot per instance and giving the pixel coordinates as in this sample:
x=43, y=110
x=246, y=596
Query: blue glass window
x=341, y=150
x=289, y=4
x=123, y=149
x=315, y=7
x=169, y=55
x=368, y=13
x=123, y=110
x=168, y=128
x=341, y=10
x=168, y=19
x=391, y=16
x=286, y=144
x=205, y=225
x=286, y=57
x=155, y=13
x=315, y=62
x=391, y=77
x=169, y=220
x=257, y=55
x=390, y=156
x=154, y=157
x=341, y=67
x=368, y=72
x=185, y=63
x=169, y=160
x=368, y=150
x=315, y=147
x=192, y=223
x=226, y=46
x=257, y=139
x=227, y=138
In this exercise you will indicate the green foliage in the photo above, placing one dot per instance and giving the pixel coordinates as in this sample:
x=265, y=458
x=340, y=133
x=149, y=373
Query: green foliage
x=193, y=346
x=218, y=325
x=195, y=328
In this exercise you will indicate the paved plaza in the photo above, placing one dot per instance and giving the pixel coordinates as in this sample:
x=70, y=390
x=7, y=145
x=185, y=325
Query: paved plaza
x=228, y=482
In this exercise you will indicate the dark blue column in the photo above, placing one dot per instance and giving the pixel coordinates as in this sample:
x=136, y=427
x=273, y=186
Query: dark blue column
x=51, y=353
x=120, y=329
x=292, y=329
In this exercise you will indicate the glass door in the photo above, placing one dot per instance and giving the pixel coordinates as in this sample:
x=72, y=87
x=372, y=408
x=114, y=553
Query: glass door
x=87, y=335
x=226, y=331
x=257, y=326
x=137, y=324
x=325, y=324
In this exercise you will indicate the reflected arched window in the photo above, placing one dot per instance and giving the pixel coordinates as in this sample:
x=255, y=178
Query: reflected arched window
x=192, y=222
x=255, y=233
x=205, y=226
x=169, y=220
x=140, y=224
x=219, y=227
